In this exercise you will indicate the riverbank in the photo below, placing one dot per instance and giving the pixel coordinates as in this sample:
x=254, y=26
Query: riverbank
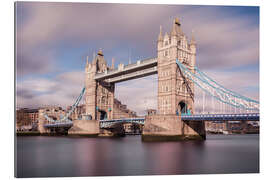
x=36, y=133
x=28, y=133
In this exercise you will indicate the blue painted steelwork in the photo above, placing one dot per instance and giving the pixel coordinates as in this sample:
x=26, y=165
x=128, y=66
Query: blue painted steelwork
x=196, y=117
x=108, y=123
x=64, y=120
x=222, y=117
x=223, y=88
x=217, y=91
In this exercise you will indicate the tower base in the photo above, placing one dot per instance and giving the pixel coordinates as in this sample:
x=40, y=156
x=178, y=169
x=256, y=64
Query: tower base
x=171, y=128
x=84, y=127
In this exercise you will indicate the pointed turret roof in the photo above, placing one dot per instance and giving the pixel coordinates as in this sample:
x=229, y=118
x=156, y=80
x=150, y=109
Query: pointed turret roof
x=166, y=35
x=160, y=38
x=87, y=60
x=192, y=41
x=100, y=53
x=176, y=29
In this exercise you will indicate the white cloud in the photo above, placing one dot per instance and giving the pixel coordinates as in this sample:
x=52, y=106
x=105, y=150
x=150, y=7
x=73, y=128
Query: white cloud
x=60, y=91
x=139, y=94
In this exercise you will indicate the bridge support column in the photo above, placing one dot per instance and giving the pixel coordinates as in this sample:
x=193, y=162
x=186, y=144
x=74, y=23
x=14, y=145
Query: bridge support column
x=171, y=128
x=84, y=127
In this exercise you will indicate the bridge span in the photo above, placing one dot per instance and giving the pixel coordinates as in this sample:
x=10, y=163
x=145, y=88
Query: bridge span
x=141, y=120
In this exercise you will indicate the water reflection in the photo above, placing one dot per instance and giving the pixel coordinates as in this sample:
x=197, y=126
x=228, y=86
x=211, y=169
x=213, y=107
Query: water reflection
x=65, y=156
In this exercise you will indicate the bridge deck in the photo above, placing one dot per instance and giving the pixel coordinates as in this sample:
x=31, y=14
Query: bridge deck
x=54, y=125
x=139, y=69
x=195, y=117
x=222, y=117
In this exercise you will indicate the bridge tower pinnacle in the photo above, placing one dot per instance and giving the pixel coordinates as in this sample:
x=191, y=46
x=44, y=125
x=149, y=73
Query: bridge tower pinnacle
x=99, y=95
x=175, y=92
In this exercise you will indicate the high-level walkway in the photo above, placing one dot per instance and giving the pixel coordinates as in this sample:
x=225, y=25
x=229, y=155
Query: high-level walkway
x=139, y=69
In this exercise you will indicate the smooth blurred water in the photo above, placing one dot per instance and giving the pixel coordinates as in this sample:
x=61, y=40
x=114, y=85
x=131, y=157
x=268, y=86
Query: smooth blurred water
x=42, y=156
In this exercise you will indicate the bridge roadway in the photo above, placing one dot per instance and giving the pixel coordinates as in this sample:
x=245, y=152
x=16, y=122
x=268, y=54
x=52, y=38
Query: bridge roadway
x=222, y=117
x=195, y=117
x=139, y=69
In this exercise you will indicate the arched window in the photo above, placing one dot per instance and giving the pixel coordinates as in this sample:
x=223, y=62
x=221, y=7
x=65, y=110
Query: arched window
x=103, y=99
x=166, y=43
x=166, y=53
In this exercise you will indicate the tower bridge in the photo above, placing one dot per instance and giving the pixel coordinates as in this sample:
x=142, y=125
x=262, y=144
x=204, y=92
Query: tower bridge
x=175, y=66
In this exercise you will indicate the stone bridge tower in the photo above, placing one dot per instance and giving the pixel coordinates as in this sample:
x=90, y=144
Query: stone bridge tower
x=175, y=92
x=99, y=94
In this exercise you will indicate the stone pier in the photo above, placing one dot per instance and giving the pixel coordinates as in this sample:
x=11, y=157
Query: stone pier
x=85, y=127
x=171, y=128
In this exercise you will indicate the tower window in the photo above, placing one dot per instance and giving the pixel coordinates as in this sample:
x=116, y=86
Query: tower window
x=166, y=53
x=166, y=43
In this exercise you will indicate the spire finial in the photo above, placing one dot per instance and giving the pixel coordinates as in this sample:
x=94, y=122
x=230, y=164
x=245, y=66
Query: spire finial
x=100, y=52
x=112, y=63
x=176, y=21
x=193, y=42
x=160, y=34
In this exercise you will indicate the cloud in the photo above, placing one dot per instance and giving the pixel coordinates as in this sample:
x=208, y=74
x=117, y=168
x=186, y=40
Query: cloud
x=59, y=91
x=224, y=40
x=50, y=27
x=139, y=94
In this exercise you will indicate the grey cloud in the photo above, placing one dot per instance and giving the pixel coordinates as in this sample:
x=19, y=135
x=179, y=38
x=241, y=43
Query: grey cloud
x=219, y=35
x=62, y=90
x=139, y=94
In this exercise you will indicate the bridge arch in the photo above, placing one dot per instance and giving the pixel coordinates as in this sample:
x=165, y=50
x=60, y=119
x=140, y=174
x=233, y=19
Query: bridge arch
x=183, y=108
x=102, y=114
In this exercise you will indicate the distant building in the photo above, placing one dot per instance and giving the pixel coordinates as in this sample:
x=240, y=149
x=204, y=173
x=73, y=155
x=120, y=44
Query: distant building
x=132, y=128
x=151, y=111
x=78, y=112
x=121, y=111
x=26, y=119
x=54, y=112
x=232, y=127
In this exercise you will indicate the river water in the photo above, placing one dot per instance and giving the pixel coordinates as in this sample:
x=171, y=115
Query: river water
x=41, y=156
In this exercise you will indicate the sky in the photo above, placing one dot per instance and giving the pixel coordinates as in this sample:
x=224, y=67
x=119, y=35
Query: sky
x=53, y=40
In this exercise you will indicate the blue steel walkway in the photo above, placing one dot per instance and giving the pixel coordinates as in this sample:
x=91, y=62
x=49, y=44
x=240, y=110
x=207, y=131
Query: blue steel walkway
x=222, y=117
x=196, y=117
